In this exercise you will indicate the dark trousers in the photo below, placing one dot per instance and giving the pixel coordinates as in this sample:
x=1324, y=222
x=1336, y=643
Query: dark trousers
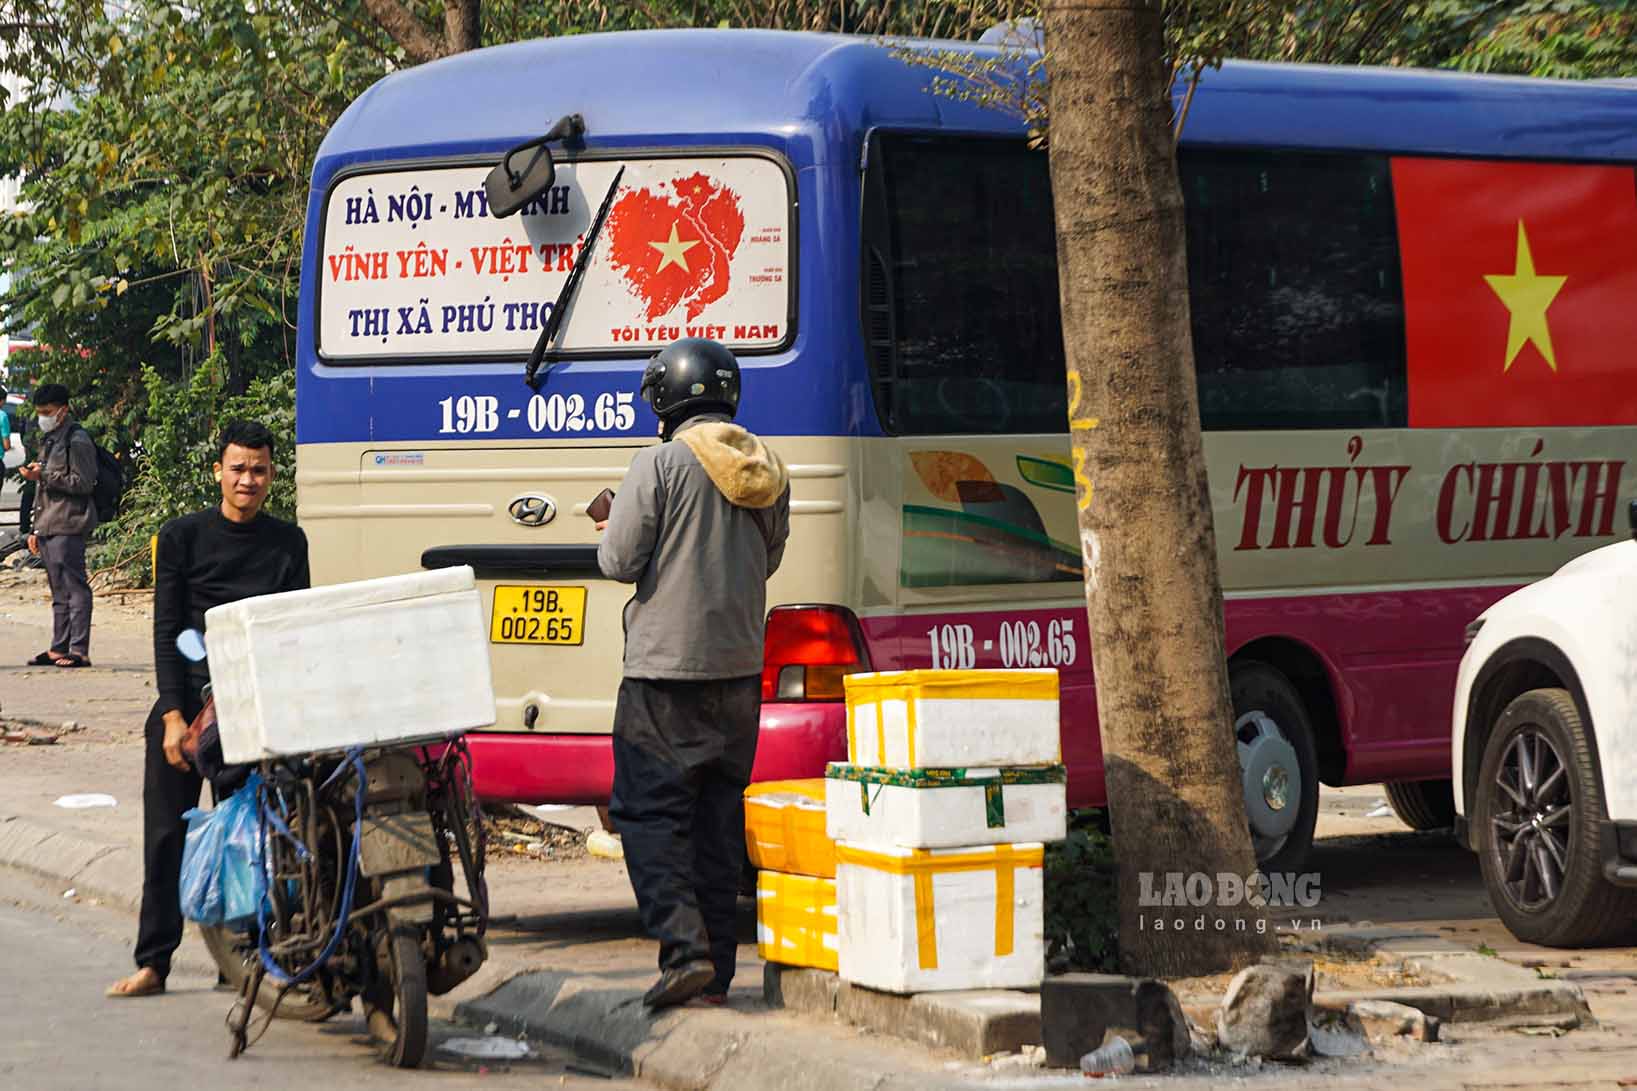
x=25, y=506
x=167, y=793
x=682, y=758
x=64, y=556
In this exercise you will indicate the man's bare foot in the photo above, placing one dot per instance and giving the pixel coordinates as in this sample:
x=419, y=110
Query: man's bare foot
x=145, y=982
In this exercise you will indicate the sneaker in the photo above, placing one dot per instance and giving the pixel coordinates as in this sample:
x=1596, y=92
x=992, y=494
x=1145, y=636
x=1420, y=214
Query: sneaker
x=680, y=984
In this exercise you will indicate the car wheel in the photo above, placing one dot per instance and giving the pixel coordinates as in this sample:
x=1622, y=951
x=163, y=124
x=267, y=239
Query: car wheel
x=1536, y=812
x=1279, y=765
x=1423, y=804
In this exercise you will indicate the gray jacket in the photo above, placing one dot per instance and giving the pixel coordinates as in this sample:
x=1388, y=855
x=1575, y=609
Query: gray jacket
x=68, y=474
x=698, y=525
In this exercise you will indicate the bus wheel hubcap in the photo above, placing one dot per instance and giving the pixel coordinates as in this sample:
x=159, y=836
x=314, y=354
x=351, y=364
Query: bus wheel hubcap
x=1272, y=781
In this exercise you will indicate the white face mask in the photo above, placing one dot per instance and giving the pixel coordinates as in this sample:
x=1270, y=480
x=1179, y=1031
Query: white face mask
x=49, y=424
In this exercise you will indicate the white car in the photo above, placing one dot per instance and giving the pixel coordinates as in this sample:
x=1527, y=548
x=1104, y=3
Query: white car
x=1544, y=751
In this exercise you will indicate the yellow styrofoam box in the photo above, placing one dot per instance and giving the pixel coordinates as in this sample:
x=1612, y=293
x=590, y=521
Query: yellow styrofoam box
x=924, y=920
x=784, y=828
x=796, y=919
x=924, y=719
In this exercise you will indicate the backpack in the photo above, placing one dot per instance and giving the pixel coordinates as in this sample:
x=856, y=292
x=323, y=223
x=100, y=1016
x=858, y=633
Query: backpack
x=110, y=485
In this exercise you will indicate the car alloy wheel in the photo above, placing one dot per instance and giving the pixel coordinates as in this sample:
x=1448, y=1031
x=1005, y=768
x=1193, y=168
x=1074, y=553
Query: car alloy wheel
x=1533, y=820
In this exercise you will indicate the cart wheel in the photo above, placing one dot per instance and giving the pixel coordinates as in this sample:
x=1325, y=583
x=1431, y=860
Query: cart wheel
x=398, y=1022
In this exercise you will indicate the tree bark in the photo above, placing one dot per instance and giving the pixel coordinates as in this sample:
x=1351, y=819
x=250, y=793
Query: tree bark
x=462, y=25
x=1146, y=533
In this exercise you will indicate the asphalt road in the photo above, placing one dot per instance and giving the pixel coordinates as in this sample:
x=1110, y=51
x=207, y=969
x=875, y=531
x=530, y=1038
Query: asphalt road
x=57, y=1030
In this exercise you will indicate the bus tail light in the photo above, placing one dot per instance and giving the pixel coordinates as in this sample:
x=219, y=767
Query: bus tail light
x=809, y=650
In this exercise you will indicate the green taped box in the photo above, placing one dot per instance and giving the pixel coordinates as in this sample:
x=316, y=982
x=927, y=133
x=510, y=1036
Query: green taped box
x=944, y=808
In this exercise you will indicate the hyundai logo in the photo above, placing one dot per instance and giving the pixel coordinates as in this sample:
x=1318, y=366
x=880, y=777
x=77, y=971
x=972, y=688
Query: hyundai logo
x=533, y=510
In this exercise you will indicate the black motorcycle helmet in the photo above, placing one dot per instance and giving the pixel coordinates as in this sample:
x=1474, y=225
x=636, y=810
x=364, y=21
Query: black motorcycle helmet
x=688, y=377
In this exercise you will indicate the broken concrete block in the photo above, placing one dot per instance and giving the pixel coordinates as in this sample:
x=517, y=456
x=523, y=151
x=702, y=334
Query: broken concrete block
x=1079, y=1012
x=1265, y=1012
x=1385, y=1019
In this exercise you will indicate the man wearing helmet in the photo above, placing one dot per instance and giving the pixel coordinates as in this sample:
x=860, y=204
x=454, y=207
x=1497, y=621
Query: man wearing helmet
x=698, y=525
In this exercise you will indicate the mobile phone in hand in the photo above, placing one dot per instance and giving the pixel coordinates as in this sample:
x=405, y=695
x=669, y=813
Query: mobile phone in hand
x=599, y=507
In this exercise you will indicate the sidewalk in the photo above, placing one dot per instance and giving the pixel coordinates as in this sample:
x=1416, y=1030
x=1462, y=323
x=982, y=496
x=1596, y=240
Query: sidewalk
x=568, y=960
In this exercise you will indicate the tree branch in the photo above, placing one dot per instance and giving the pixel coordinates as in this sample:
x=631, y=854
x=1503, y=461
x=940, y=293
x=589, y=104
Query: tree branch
x=402, y=27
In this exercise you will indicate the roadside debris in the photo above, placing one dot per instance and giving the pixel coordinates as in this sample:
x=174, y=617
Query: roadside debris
x=514, y=832
x=1337, y=1034
x=606, y=845
x=1385, y=1019
x=1265, y=1012
x=1112, y=1059
x=491, y=1048
x=86, y=799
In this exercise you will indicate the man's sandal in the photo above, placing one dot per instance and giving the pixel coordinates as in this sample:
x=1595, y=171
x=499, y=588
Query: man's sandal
x=72, y=660
x=153, y=987
x=44, y=659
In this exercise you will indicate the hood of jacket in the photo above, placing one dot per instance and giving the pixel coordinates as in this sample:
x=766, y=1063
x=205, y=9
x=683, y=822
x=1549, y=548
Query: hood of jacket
x=739, y=464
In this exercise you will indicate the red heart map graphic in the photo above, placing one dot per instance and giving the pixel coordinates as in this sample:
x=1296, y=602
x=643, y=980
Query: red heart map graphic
x=676, y=249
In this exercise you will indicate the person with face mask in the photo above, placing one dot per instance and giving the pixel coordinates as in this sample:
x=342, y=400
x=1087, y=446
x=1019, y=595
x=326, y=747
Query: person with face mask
x=64, y=514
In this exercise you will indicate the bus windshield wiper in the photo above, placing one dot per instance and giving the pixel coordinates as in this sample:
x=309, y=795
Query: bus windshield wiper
x=554, y=322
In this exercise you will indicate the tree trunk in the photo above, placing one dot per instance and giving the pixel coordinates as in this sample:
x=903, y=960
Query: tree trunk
x=1144, y=507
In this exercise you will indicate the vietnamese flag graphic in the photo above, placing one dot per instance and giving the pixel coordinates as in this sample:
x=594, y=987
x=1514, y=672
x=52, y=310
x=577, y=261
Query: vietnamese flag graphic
x=1520, y=292
x=674, y=249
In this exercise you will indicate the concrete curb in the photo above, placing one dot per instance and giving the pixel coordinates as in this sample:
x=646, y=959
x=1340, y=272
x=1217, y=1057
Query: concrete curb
x=686, y=1049
x=975, y=1024
x=110, y=873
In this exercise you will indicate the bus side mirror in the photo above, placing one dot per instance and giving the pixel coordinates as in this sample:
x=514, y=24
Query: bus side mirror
x=519, y=177
x=1631, y=517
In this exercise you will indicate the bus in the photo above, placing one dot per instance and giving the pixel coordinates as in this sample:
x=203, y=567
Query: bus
x=1407, y=288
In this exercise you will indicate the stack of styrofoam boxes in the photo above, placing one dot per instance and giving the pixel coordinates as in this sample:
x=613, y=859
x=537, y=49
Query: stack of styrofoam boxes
x=370, y=663
x=796, y=881
x=954, y=784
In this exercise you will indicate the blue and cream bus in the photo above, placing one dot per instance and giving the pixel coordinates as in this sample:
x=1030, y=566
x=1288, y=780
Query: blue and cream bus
x=1395, y=439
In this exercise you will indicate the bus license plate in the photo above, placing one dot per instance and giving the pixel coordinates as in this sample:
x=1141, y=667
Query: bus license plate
x=538, y=615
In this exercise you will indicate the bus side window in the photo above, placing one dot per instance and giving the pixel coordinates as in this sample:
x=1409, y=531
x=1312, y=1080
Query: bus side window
x=1294, y=285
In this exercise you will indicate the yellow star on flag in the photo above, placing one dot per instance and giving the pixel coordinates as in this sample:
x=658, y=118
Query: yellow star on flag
x=674, y=250
x=1527, y=294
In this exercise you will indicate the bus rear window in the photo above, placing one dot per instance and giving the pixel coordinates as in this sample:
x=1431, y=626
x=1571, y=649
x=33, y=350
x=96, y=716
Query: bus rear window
x=412, y=266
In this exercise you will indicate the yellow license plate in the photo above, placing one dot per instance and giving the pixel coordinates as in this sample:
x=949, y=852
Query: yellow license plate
x=538, y=615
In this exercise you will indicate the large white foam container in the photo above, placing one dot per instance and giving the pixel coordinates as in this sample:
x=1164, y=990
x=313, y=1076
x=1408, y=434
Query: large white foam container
x=931, y=719
x=944, y=808
x=376, y=661
x=919, y=920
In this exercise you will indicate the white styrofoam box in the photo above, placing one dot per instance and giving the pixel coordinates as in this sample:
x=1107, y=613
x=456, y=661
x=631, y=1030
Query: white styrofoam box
x=370, y=662
x=945, y=808
x=933, y=920
x=929, y=719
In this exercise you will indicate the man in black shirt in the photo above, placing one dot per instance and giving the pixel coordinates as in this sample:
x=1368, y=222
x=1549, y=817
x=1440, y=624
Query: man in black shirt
x=219, y=555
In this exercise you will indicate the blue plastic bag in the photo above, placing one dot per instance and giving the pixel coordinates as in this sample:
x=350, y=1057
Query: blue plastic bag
x=201, y=886
x=222, y=861
x=241, y=855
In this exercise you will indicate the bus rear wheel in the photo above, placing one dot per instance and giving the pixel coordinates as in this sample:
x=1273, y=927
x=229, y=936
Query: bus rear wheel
x=1278, y=763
